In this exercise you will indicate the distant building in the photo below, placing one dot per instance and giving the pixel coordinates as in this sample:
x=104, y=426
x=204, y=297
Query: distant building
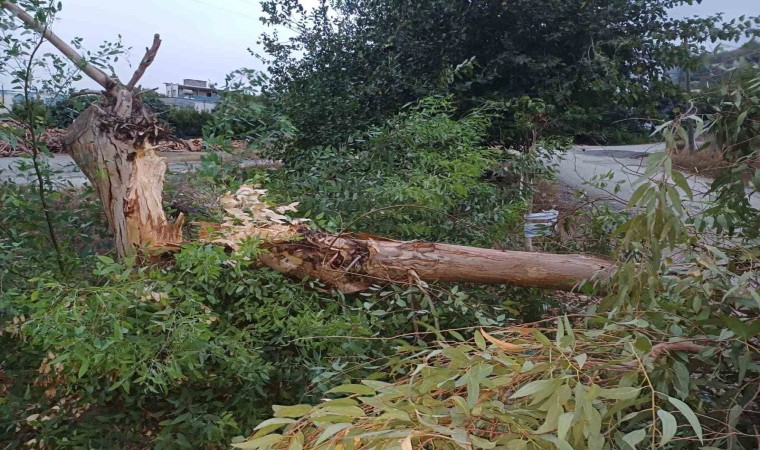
x=195, y=94
x=9, y=97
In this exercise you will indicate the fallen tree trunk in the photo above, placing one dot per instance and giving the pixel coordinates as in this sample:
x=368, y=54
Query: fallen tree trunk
x=353, y=263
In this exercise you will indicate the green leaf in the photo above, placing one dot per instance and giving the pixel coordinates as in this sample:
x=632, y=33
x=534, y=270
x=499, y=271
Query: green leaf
x=683, y=184
x=537, y=386
x=296, y=411
x=742, y=117
x=682, y=380
x=638, y=194
x=480, y=341
x=83, y=368
x=541, y=338
x=262, y=442
x=117, y=333
x=271, y=425
x=564, y=423
x=352, y=389
x=621, y=393
x=481, y=443
x=296, y=442
x=669, y=426
x=338, y=410
x=559, y=443
x=689, y=414
x=634, y=437
x=331, y=431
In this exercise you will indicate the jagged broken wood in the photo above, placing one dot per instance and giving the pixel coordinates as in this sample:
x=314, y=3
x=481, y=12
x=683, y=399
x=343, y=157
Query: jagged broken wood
x=128, y=176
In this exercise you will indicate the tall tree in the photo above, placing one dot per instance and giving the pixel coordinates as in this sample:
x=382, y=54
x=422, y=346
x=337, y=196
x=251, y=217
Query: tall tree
x=353, y=62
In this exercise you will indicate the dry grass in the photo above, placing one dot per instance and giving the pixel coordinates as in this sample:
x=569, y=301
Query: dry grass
x=708, y=162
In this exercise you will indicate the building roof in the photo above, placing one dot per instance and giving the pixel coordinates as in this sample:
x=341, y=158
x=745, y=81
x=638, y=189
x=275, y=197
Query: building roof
x=190, y=86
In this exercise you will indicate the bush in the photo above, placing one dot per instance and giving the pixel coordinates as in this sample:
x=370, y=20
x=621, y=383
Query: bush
x=244, y=116
x=40, y=113
x=187, y=123
x=63, y=112
x=421, y=176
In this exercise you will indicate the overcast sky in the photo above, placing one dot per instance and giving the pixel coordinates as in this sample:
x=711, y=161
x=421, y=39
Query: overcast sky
x=206, y=39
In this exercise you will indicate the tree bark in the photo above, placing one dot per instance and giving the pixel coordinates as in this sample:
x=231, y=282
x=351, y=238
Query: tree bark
x=352, y=264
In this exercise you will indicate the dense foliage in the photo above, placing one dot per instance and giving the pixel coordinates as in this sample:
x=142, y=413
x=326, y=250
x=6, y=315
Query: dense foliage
x=352, y=64
x=187, y=123
x=64, y=111
x=385, y=130
x=420, y=176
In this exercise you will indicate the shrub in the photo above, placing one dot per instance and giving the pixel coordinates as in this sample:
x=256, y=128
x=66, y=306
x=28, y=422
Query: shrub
x=63, y=112
x=420, y=176
x=187, y=123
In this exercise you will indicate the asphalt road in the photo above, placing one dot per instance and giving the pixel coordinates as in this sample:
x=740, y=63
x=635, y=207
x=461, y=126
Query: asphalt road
x=65, y=172
x=582, y=164
x=577, y=168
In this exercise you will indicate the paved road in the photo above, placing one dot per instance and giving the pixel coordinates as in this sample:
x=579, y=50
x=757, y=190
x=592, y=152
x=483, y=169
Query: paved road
x=627, y=162
x=20, y=171
x=576, y=169
x=65, y=172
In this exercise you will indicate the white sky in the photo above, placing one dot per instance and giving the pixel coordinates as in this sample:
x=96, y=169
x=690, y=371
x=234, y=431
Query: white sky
x=206, y=39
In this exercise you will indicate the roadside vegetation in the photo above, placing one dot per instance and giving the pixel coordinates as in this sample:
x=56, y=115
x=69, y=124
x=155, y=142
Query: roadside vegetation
x=407, y=121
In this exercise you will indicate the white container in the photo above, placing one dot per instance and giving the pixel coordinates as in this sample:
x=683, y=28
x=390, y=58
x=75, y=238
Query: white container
x=540, y=223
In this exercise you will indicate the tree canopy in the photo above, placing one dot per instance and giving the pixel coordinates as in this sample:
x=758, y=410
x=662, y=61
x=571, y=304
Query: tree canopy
x=354, y=62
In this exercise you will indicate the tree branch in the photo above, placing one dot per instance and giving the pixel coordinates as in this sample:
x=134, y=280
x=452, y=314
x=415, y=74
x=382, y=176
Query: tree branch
x=150, y=54
x=664, y=347
x=83, y=93
x=91, y=71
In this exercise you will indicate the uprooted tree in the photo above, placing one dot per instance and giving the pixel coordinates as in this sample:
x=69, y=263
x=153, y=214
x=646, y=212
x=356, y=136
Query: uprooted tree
x=111, y=141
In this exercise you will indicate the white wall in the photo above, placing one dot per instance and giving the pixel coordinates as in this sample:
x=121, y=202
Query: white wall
x=6, y=101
